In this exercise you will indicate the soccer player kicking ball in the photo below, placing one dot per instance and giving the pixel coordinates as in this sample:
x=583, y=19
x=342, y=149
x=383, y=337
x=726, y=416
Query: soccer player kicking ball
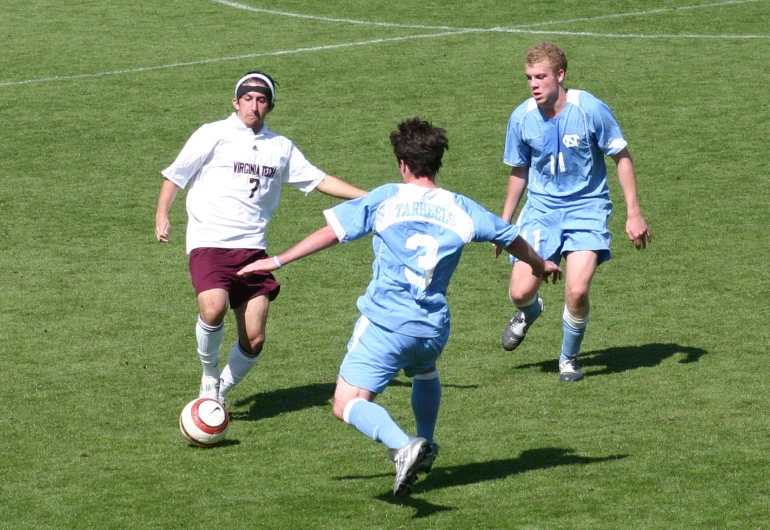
x=556, y=144
x=235, y=169
x=419, y=233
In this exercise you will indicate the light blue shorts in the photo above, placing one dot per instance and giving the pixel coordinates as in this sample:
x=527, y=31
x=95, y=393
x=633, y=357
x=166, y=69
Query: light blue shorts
x=376, y=355
x=555, y=233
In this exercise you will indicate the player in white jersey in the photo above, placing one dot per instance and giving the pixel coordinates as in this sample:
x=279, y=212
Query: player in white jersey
x=556, y=144
x=234, y=169
x=419, y=233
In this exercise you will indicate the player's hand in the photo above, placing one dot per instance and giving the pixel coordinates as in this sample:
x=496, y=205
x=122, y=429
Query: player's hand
x=162, y=229
x=262, y=265
x=549, y=272
x=498, y=250
x=638, y=231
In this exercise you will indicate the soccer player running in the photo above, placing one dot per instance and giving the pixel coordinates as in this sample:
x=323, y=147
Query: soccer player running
x=235, y=168
x=419, y=233
x=556, y=143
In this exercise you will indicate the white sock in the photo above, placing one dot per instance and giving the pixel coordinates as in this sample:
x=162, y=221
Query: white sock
x=209, y=339
x=238, y=365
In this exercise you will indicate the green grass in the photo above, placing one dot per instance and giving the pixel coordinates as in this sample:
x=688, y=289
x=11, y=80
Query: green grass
x=669, y=428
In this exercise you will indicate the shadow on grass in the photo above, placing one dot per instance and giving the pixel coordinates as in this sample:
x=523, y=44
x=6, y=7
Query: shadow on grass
x=224, y=443
x=616, y=360
x=270, y=404
x=463, y=475
x=399, y=382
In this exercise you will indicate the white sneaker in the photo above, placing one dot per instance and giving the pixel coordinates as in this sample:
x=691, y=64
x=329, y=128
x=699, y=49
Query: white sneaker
x=209, y=388
x=569, y=371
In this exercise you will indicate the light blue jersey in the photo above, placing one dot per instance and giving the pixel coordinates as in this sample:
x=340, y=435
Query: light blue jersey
x=565, y=154
x=419, y=234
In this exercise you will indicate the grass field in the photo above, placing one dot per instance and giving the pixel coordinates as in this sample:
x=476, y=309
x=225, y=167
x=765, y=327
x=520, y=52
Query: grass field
x=668, y=430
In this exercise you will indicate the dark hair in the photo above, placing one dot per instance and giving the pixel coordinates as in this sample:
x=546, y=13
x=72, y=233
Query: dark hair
x=257, y=72
x=256, y=78
x=420, y=145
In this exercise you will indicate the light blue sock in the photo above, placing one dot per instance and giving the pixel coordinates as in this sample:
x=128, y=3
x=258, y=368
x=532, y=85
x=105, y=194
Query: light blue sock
x=531, y=309
x=574, y=331
x=375, y=422
x=426, y=400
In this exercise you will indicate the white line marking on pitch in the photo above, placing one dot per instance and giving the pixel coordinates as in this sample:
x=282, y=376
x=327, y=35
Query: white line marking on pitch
x=244, y=7
x=234, y=58
x=450, y=32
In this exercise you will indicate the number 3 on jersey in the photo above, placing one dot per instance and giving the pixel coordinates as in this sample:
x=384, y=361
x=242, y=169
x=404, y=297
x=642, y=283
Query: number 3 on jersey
x=426, y=262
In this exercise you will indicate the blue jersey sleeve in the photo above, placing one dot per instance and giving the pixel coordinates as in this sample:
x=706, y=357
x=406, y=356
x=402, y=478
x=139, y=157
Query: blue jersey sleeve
x=604, y=126
x=355, y=218
x=517, y=151
x=487, y=226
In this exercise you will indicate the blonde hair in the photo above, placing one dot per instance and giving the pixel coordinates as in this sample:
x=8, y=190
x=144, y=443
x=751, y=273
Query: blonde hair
x=547, y=51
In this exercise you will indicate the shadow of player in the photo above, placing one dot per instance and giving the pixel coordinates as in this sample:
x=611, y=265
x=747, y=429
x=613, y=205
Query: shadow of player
x=624, y=358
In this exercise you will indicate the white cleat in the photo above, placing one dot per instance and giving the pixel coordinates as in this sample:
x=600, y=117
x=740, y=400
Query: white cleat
x=209, y=388
x=516, y=329
x=408, y=461
x=569, y=371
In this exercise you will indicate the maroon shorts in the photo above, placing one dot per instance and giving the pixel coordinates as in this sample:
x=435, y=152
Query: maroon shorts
x=216, y=268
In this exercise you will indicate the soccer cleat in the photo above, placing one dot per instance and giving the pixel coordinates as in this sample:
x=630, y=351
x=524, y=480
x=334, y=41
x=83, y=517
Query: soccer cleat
x=569, y=371
x=408, y=460
x=209, y=388
x=427, y=464
x=517, y=328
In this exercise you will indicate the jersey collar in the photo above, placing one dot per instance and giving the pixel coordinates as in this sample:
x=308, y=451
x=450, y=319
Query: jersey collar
x=238, y=124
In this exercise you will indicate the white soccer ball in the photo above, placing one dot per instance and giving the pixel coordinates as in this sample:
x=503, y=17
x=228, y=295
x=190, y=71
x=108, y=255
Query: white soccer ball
x=204, y=421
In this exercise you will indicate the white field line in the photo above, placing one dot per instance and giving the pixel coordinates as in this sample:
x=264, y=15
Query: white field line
x=627, y=35
x=449, y=31
x=234, y=58
x=640, y=13
x=244, y=7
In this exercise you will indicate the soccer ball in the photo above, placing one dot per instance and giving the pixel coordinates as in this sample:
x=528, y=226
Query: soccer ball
x=204, y=421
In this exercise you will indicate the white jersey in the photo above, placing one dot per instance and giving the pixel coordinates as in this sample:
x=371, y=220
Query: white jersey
x=235, y=179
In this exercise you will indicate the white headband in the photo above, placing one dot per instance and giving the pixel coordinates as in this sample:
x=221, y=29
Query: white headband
x=257, y=76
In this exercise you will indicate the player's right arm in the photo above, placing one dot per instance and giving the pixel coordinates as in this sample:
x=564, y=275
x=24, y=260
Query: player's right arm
x=188, y=163
x=319, y=240
x=168, y=192
x=517, y=184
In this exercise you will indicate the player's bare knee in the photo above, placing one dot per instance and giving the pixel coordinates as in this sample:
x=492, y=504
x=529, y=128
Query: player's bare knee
x=521, y=296
x=254, y=347
x=212, y=316
x=576, y=299
x=338, y=409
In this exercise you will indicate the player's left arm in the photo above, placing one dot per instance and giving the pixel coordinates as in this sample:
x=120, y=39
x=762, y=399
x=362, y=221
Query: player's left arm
x=319, y=240
x=636, y=227
x=337, y=187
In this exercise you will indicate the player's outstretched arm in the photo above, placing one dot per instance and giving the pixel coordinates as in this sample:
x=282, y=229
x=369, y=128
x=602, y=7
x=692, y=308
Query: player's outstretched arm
x=319, y=240
x=541, y=268
x=339, y=188
x=168, y=191
x=636, y=227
